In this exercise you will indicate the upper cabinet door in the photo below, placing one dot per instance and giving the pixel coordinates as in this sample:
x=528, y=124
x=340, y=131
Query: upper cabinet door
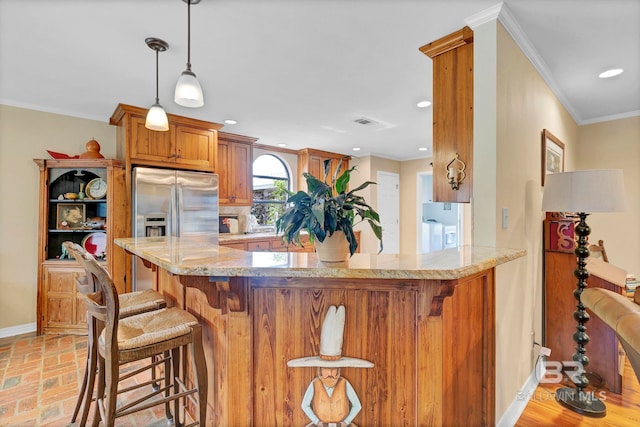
x=151, y=145
x=312, y=161
x=235, y=162
x=195, y=147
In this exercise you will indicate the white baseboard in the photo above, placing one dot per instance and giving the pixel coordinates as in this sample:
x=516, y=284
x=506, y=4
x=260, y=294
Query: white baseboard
x=515, y=410
x=17, y=330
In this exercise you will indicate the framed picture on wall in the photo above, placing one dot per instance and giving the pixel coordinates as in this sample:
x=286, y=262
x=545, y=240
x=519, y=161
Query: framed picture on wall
x=552, y=154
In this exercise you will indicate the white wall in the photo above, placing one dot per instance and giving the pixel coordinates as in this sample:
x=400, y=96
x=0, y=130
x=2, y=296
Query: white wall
x=24, y=136
x=508, y=124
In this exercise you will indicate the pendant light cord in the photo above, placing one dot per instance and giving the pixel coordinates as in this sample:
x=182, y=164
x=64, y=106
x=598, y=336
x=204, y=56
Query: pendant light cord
x=157, y=76
x=189, y=35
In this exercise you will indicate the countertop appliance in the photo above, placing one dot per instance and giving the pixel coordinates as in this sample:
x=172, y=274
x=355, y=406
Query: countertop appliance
x=167, y=202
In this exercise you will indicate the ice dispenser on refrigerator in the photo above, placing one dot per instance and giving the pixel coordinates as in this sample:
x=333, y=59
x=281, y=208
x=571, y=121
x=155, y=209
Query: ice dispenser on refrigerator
x=155, y=225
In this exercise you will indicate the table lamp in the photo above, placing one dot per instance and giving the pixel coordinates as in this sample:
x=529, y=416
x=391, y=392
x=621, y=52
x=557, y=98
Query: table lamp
x=583, y=192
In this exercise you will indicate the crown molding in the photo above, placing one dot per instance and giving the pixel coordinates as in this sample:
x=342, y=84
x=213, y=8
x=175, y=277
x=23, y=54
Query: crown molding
x=611, y=117
x=484, y=16
x=502, y=13
x=513, y=28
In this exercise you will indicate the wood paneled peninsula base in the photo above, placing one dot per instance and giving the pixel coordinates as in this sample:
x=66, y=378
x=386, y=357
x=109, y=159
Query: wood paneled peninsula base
x=426, y=322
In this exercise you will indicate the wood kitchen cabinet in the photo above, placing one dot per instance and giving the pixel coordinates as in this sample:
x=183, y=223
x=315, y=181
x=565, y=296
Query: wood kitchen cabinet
x=235, y=160
x=452, y=58
x=312, y=162
x=99, y=220
x=63, y=307
x=268, y=244
x=189, y=144
x=274, y=244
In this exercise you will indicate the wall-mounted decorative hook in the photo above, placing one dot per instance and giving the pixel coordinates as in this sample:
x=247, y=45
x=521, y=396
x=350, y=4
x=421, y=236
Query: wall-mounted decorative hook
x=455, y=172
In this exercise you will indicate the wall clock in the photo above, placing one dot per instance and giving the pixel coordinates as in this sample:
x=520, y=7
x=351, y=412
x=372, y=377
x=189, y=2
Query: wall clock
x=96, y=188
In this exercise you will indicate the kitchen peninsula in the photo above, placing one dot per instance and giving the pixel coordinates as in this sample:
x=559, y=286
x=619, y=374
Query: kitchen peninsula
x=426, y=322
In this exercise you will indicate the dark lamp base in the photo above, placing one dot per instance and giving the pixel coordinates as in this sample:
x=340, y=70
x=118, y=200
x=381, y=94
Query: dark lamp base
x=584, y=403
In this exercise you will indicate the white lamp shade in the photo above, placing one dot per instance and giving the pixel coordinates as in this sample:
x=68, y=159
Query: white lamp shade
x=157, y=118
x=188, y=91
x=584, y=191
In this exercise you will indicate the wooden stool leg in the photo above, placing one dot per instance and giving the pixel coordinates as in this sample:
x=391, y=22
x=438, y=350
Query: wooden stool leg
x=92, y=364
x=172, y=382
x=112, y=373
x=167, y=386
x=97, y=417
x=84, y=392
x=200, y=373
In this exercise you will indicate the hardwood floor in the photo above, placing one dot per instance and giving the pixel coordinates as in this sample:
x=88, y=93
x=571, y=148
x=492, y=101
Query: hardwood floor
x=622, y=409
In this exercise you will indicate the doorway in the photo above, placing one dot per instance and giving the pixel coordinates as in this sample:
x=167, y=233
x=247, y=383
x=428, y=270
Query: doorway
x=439, y=225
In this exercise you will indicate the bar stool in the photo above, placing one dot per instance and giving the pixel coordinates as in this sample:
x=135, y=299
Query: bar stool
x=131, y=303
x=162, y=332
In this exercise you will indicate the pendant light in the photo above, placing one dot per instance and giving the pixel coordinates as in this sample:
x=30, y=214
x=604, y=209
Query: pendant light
x=188, y=91
x=156, y=116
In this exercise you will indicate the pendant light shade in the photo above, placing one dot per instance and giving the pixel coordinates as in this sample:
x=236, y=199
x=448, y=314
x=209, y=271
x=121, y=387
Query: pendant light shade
x=188, y=90
x=156, y=116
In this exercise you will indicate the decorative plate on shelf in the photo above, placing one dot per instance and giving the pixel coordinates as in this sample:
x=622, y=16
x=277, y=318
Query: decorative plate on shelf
x=95, y=244
x=96, y=188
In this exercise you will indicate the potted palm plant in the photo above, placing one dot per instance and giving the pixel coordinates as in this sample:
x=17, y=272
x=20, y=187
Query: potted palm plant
x=328, y=212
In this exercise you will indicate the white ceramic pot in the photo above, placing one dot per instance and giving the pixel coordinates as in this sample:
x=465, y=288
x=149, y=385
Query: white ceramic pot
x=335, y=248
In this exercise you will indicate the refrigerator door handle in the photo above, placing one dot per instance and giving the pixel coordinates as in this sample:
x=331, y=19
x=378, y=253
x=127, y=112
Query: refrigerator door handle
x=172, y=219
x=179, y=201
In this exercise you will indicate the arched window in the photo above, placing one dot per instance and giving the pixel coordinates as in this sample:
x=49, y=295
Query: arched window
x=270, y=180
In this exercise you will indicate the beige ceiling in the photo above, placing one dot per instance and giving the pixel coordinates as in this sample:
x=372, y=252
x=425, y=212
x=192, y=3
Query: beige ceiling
x=300, y=72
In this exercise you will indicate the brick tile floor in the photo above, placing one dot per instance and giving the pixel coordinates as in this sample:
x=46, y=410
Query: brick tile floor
x=40, y=378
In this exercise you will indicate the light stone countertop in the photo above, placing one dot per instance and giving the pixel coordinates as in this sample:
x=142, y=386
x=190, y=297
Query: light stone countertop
x=201, y=256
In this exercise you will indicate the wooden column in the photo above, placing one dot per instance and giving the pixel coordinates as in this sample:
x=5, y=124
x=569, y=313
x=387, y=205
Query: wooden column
x=452, y=58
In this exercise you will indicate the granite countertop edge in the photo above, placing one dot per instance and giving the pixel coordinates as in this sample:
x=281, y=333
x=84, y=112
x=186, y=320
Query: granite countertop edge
x=199, y=256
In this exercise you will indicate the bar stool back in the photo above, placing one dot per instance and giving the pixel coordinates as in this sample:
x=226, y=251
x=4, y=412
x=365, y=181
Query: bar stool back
x=137, y=337
x=130, y=304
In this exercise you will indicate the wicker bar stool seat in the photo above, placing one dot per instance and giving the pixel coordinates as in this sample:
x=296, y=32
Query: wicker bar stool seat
x=131, y=303
x=163, y=332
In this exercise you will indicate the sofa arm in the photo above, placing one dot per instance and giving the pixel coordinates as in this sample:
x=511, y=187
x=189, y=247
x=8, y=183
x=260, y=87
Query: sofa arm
x=620, y=314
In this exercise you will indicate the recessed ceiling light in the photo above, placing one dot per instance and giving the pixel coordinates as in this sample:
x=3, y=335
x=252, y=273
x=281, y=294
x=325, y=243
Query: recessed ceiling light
x=610, y=73
x=282, y=144
x=231, y=122
x=423, y=149
x=356, y=148
x=424, y=104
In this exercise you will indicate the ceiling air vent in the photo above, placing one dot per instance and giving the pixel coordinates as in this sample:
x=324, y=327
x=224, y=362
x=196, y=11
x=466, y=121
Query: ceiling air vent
x=365, y=121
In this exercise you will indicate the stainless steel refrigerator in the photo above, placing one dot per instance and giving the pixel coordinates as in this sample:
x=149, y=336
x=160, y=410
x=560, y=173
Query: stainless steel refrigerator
x=169, y=202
